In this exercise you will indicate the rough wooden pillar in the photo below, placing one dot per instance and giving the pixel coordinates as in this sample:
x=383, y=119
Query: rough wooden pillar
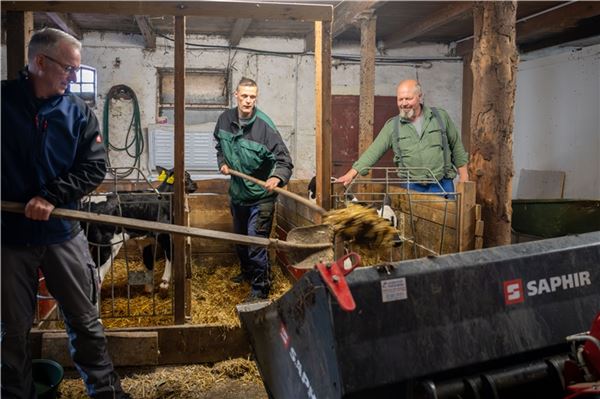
x=366, y=107
x=19, y=27
x=494, y=67
x=179, y=204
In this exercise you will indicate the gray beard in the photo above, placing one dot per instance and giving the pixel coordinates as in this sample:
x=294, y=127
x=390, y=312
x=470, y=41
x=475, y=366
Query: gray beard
x=407, y=114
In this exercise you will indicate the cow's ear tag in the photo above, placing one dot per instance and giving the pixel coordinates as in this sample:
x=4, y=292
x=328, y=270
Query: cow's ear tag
x=171, y=179
x=162, y=176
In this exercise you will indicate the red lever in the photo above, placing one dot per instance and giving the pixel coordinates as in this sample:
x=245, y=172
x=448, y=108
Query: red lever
x=333, y=275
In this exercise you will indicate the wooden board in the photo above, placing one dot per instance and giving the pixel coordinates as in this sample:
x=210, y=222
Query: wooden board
x=126, y=348
x=159, y=345
x=541, y=184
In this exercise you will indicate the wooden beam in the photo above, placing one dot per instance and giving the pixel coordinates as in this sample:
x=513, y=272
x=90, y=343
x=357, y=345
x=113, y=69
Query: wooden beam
x=176, y=344
x=146, y=30
x=65, y=23
x=345, y=15
x=323, y=111
x=366, y=106
x=494, y=66
x=555, y=20
x=19, y=26
x=224, y=9
x=348, y=13
x=467, y=99
x=239, y=29
x=179, y=205
x=442, y=17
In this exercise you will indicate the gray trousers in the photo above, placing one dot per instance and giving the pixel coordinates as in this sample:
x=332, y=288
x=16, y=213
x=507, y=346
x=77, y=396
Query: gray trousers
x=71, y=279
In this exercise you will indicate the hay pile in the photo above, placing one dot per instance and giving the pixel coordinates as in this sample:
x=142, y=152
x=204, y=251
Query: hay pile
x=236, y=378
x=214, y=296
x=361, y=226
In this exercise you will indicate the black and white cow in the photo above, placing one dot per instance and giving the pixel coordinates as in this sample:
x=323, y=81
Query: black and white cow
x=106, y=241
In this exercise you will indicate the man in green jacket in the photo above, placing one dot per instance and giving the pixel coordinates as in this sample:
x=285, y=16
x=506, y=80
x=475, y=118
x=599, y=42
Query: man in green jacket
x=426, y=146
x=248, y=141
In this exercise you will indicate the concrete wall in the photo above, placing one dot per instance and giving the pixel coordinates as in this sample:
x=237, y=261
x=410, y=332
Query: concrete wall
x=557, y=118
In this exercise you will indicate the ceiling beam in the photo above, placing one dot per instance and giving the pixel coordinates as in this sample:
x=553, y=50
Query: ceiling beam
x=345, y=15
x=441, y=17
x=65, y=23
x=146, y=29
x=239, y=29
x=556, y=19
x=224, y=9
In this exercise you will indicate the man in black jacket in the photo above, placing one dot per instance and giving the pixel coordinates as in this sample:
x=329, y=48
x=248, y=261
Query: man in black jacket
x=248, y=141
x=52, y=155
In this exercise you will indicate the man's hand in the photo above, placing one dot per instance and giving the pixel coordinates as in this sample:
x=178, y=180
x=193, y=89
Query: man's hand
x=38, y=209
x=225, y=169
x=272, y=183
x=347, y=178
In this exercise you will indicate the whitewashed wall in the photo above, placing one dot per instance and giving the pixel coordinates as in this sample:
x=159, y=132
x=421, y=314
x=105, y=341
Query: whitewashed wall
x=557, y=119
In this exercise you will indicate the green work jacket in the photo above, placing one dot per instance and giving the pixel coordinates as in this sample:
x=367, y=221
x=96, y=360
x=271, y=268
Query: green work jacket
x=255, y=149
x=414, y=151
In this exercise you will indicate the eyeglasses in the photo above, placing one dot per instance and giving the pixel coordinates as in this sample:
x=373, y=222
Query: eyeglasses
x=66, y=68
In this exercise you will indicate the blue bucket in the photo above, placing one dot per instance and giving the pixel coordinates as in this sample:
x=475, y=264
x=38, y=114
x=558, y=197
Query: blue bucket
x=47, y=376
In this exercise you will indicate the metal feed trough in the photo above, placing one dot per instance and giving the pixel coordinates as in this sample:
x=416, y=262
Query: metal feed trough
x=490, y=323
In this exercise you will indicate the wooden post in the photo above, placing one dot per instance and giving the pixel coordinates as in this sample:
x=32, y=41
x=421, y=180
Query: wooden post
x=19, y=27
x=467, y=98
x=323, y=111
x=494, y=67
x=179, y=204
x=366, y=107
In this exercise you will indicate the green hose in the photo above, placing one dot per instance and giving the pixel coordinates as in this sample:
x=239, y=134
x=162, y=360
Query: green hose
x=134, y=140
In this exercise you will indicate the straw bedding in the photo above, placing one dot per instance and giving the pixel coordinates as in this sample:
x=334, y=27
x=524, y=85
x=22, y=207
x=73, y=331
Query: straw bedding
x=232, y=379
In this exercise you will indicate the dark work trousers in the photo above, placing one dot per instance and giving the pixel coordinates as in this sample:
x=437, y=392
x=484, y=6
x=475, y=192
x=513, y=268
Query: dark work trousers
x=254, y=220
x=71, y=279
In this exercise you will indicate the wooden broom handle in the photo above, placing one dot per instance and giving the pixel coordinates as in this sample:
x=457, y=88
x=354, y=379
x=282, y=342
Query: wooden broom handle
x=281, y=191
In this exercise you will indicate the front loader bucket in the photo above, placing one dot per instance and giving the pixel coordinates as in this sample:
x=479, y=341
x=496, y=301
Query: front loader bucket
x=421, y=323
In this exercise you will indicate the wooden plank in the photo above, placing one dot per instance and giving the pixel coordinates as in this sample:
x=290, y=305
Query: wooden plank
x=467, y=215
x=479, y=228
x=65, y=23
x=477, y=212
x=223, y=9
x=478, y=242
x=467, y=98
x=323, y=111
x=19, y=27
x=176, y=344
x=146, y=30
x=239, y=29
x=126, y=348
x=541, y=184
x=178, y=206
x=445, y=15
x=366, y=107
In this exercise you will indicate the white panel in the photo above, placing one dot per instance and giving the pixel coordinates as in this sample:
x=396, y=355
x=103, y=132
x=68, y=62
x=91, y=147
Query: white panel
x=200, y=153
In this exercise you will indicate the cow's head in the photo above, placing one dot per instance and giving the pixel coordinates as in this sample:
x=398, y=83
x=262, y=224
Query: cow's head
x=166, y=177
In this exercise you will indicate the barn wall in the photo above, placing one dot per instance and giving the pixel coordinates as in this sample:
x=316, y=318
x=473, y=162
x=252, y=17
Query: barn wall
x=557, y=118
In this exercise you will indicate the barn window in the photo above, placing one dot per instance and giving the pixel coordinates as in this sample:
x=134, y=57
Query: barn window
x=85, y=86
x=206, y=95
